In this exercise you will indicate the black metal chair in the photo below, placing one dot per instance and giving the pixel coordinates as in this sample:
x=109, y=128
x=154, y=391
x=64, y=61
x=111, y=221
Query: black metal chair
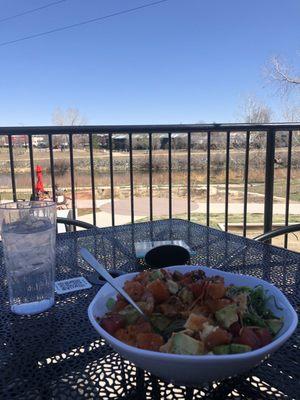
x=278, y=232
x=71, y=224
x=94, y=278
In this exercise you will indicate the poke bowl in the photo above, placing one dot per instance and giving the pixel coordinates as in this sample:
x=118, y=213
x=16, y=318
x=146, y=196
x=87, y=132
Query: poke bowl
x=186, y=356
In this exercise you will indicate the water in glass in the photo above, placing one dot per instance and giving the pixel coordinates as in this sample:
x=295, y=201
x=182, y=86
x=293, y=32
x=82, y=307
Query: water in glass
x=29, y=251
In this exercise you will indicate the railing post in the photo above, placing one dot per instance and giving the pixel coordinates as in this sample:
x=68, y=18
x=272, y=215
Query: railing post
x=12, y=168
x=31, y=166
x=269, y=181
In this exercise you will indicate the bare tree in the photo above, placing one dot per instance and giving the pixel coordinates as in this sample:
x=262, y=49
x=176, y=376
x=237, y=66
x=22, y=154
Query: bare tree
x=254, y=111
x=282, y=75
x=291, y=113
x=69, y=117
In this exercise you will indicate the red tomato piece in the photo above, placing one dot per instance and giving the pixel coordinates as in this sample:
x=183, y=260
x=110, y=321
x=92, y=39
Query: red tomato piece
x=217, y=338
x=186, y=279
x=134, y=289
x=264, y=336
x=216, y=304
x=112, y=323
x=141, y=327
x=235, y=328
x=216, y=290
x=142, y=277
x=249, y=338
x=159, y=291
x=149, y=341
x=123, y=335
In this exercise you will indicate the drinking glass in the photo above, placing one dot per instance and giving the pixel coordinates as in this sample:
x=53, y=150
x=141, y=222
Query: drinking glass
x=28, y=231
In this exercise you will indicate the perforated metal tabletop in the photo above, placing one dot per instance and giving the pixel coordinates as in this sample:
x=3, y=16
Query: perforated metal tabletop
x=58, y=355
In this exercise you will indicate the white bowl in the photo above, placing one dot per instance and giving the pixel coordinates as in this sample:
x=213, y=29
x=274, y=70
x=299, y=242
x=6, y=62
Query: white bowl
x=193, y=370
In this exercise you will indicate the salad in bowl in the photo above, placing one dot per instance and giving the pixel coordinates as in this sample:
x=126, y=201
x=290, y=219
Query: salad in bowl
x=204, y=324
x=192, y=313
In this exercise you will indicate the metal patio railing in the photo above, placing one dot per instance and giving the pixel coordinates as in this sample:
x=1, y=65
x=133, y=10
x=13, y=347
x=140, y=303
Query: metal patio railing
x=269, y=131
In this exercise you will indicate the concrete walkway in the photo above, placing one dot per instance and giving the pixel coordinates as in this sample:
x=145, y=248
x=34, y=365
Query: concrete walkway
x=87, y=203
x=104, y=218
x=141, y=206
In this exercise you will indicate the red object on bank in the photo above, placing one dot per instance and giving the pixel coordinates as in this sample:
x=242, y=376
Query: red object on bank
x=39, y=186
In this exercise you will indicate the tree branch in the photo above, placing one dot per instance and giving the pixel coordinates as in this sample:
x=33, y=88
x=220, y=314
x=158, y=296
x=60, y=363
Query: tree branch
x=281, y=73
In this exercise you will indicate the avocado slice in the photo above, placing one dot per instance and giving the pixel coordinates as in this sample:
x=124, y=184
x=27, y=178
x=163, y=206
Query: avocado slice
x=184, y=344
x=156, y=274
x=239, y=348
x=232, y=348
x=274, y=325
x=223, y=349
x=227, y=315
x=130, y=314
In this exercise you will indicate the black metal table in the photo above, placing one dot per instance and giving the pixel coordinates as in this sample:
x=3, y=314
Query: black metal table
x=58, y=355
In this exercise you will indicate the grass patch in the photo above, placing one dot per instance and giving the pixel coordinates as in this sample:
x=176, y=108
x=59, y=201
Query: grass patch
x=216, y=219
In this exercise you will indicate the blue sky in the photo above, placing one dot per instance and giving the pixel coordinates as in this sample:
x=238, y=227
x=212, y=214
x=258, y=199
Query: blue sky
x=182, y=61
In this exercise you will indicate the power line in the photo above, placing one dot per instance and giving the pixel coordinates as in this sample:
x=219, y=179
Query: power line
x=88, y=21
x=32, y=10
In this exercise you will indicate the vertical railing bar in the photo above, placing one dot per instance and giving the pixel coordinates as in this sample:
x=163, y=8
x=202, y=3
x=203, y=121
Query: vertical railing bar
x=72, y=175
x=12, y=168
x=92, y=178
x=269, y=181
x=52, y=166
x=288, y=185
x=227, y=179
x=170, y=173
x=131, y=178
x=189, y=176
x=111, y=180
x=246, y=176
x=150, y=177
x=208, y=181
x=31, y=165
